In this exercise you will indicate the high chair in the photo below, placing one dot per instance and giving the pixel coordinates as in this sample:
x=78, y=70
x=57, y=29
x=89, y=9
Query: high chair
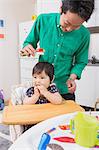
x=32, y=114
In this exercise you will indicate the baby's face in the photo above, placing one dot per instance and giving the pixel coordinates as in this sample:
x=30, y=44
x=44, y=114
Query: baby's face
x=41, y=79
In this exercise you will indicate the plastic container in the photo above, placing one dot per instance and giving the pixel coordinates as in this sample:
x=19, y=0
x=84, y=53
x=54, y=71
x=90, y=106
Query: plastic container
x=86, y=130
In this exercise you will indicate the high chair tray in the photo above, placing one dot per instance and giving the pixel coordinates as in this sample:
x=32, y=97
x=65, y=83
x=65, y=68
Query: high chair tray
x=31, y=114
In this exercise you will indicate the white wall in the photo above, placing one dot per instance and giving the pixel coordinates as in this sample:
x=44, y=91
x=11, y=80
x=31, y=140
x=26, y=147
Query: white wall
x=48, y=6
x=13, y=12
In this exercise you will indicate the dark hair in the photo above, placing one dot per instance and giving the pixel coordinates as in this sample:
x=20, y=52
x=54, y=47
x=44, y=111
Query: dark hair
x=44, y=66
x=83, y=8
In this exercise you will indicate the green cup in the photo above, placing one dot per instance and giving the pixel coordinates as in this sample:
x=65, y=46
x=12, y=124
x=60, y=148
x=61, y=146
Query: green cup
x=86, y=130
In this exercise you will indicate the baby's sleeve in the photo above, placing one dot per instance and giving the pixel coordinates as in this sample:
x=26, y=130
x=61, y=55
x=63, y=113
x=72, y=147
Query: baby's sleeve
x=53, y=88
x=30, y=92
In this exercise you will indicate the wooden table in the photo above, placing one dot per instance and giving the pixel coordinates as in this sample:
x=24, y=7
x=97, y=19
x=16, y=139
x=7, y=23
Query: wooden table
x=31, y=114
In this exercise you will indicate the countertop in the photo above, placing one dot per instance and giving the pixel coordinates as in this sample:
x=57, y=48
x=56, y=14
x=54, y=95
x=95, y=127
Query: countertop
x=90, y=64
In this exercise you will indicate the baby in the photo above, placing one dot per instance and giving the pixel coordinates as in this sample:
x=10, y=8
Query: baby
x=42, y=90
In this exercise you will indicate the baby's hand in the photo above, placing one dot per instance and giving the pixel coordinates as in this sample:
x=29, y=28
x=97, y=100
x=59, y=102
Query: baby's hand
x=42, y=89
x=36, y=91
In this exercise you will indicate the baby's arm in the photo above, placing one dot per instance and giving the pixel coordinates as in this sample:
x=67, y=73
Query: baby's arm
x=54, y=98
x=33, y=99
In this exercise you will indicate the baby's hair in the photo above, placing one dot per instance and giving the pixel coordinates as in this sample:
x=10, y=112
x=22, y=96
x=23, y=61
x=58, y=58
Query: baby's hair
x=44, y=66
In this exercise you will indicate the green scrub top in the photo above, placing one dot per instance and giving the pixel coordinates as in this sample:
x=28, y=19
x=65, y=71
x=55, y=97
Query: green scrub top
x=67, y=51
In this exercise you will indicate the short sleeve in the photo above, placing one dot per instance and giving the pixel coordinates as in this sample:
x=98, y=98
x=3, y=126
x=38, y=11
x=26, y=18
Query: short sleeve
x=30, y=92
x=53, y=88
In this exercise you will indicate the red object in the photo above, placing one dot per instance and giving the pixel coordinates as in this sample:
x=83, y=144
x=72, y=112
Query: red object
x=64, y=127
x=97, y=117
x=65, y=139
x=1, y=36
x=40, y=50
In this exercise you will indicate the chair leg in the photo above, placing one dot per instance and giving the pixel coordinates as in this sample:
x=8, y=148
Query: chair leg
x=15, y=131
x=97, y=102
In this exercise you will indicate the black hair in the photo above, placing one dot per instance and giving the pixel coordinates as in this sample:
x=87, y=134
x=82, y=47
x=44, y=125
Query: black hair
x=44, y=66
x=83, y=8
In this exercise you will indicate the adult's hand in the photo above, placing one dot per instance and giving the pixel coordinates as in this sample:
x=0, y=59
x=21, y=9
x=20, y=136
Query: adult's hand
x=27, y=51
x=71, y=85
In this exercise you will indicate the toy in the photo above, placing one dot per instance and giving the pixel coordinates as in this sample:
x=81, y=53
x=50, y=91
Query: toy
x=40, y=51
x=65, y=139
x=45, y=139
x=51, y=130
x=54, y=146
x=64, y=127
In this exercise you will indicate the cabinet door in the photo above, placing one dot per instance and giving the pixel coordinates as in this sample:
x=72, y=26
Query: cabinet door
x=24, y=29
x=26, y=66
x=26, y=63
x=86, y=87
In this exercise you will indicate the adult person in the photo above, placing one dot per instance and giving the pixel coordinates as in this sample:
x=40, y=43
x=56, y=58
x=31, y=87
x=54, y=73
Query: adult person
x=65, y=40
